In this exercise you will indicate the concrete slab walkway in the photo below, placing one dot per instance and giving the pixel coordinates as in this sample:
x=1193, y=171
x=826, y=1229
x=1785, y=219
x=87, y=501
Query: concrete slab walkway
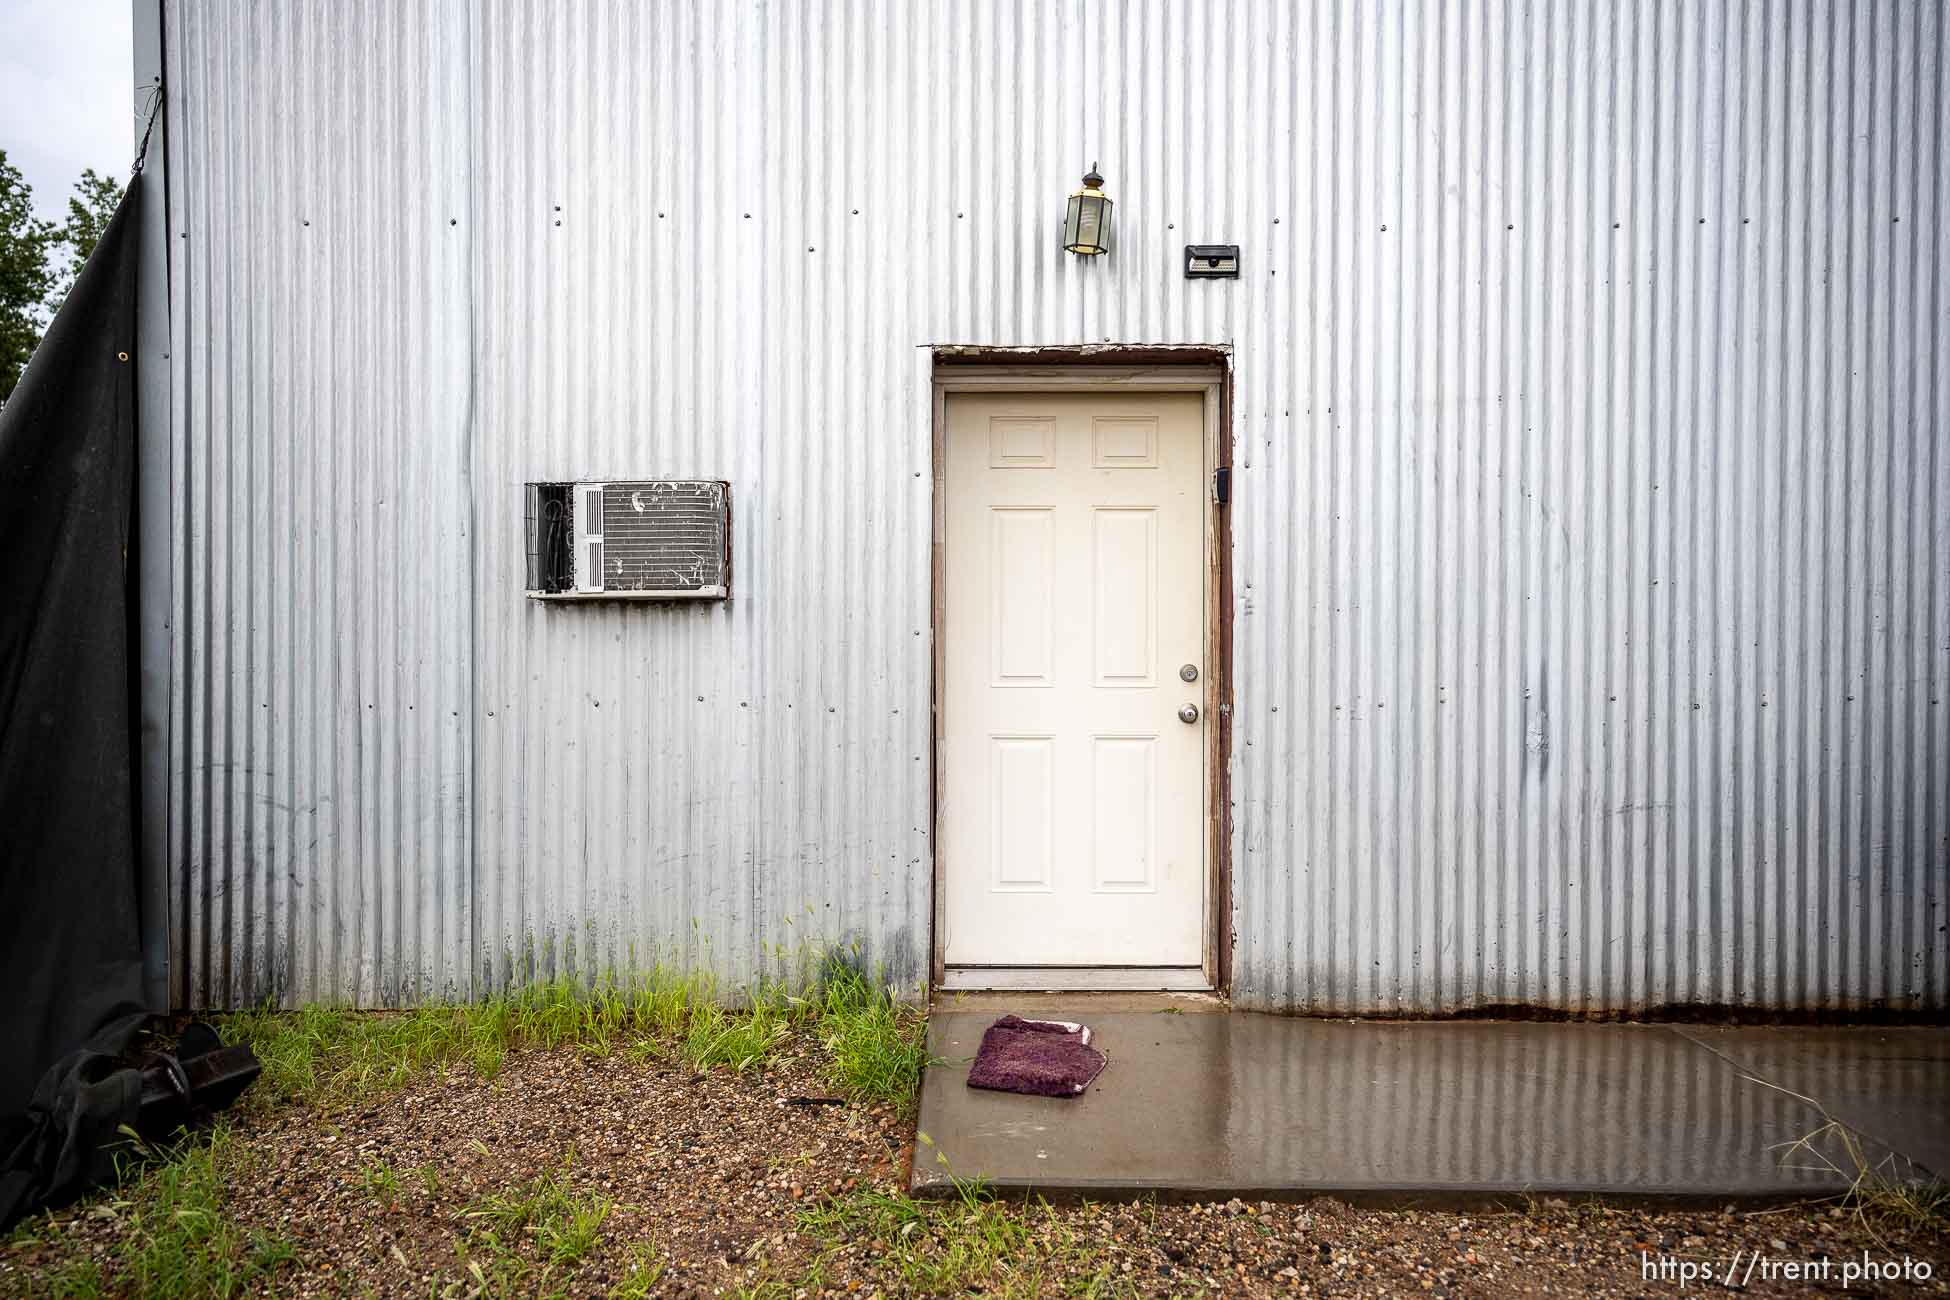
x=1202, y=1101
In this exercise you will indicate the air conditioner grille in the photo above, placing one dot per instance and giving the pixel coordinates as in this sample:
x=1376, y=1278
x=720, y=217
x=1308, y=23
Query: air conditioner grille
x=664, y=536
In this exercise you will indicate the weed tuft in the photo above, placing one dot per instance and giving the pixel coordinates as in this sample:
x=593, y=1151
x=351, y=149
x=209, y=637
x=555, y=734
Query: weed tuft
x=716, y=1037
x=521, y=1237
x=878, y=1046
x=382, y=1182
x=1880, y=1194
x=178, y=1239
x=969, y=1243
x=644, y=1269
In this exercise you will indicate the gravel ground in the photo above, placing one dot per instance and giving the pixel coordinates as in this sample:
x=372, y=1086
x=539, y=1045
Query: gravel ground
x=1327, y=1248
x=739, y=1183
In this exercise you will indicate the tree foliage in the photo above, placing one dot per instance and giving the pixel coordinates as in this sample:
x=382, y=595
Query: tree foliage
x=93, y=202
x=40, y=260
x=26, y=274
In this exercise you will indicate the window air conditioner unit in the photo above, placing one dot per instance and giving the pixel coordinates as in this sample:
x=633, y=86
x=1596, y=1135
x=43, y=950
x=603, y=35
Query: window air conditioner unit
x=651, y=539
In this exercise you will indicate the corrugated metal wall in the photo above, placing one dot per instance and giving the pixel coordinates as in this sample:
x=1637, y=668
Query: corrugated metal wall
x=1593, y=578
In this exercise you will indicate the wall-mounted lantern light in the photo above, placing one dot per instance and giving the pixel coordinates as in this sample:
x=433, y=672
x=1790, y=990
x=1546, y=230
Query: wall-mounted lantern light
x=1086, y=230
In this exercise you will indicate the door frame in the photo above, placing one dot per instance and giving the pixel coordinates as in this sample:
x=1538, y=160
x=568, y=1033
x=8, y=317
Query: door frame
x=1105, y=371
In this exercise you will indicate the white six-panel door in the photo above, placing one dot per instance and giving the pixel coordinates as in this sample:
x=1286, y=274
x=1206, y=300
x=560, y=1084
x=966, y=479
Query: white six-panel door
x=1072, y=794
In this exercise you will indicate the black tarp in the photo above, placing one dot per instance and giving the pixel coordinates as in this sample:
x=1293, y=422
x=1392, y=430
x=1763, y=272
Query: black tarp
x=71, y=960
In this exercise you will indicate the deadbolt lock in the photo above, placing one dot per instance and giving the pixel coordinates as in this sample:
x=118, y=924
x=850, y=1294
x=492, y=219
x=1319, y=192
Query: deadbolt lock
x=1189, y=673
x=1189, y=713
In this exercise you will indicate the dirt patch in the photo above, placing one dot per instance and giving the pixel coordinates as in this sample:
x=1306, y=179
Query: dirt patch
x=635, y=1173
x=1326, y=1248
x=711, y=1167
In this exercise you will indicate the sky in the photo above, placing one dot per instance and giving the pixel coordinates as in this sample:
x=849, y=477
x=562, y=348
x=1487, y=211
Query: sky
x=67, y=93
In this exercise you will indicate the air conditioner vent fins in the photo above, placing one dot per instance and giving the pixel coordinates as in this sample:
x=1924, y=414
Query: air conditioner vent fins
x=644, y=539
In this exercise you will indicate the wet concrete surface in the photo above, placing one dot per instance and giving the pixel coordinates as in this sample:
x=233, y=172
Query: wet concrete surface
x=1891, y=1084
x=1259, y=1106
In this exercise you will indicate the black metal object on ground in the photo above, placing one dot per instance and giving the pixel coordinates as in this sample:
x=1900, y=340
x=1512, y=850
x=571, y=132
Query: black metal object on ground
x=200, y=1077
x=85, y=1108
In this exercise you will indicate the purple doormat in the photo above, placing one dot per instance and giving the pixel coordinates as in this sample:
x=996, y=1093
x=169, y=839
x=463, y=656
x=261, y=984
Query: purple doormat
x=1044, y=1058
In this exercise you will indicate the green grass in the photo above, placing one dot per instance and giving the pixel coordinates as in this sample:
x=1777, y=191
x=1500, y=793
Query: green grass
x=382, y=1182
x=332, y=1055
x=717, y=1037
x=329, y=1057
x=878, y=1047
x=965, y=1244
x=646, y=1268
x=563, y=1225
x=528, y=1240
x=177, y=1239
x=968, y=1243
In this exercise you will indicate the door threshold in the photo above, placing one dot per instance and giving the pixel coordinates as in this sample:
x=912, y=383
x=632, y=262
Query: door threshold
x=1076, y=979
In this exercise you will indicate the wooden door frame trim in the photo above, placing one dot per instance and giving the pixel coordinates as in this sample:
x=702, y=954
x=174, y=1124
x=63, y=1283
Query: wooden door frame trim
x=954, y=373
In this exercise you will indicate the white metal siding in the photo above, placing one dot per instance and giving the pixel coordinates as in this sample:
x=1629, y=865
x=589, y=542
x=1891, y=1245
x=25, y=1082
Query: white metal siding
x=1592, y=573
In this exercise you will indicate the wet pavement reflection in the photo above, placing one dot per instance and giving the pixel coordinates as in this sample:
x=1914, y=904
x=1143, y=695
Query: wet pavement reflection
x=1247, y=1103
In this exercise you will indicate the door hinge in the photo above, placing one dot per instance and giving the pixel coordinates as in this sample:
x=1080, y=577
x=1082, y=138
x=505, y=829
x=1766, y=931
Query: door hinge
x=1222, y=485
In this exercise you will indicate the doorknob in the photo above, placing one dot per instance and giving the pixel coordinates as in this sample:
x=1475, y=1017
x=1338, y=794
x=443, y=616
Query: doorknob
x=1189, y=713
